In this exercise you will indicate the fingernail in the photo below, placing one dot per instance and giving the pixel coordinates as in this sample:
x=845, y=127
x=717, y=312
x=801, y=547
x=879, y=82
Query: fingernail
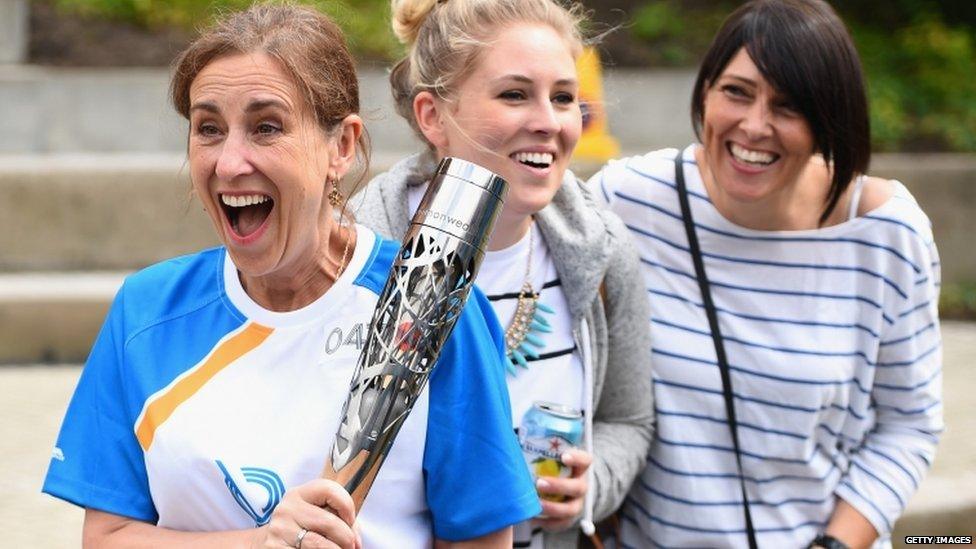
x=567, y=458
x=542, y=484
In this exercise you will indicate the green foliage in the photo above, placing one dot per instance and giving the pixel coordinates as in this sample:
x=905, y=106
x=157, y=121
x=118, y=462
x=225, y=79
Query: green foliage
x=921, y=84
x=920, y=69
x=675, y=31
x=658, y=22
x=366, y=22
x=919, y=55
x=958, y=301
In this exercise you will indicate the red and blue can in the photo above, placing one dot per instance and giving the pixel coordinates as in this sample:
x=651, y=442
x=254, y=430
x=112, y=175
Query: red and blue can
x=548, y=430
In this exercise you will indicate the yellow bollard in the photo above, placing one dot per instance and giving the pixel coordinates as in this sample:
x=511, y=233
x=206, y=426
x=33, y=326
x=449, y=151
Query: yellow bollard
x=596, y=143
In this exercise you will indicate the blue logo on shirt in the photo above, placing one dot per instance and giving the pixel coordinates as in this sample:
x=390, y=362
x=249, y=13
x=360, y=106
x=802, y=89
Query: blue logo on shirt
x=267, y=479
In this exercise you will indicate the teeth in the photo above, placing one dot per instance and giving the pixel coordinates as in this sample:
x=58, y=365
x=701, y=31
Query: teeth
x=241, y=201
x=753, y=157
x=544, y=159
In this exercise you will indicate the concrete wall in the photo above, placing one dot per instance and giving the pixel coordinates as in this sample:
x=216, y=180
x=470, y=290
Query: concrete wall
x=48, y=110
x=945, y=187
x=649, y=109
x=14, y=17
x=90, y=164
x=106, y=212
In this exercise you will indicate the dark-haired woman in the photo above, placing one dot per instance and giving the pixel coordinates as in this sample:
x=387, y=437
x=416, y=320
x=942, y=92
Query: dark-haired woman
x=206, y=410
x=822, y=282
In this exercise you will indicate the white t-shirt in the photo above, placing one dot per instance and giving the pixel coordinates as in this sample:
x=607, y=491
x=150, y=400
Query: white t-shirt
x=557, y=375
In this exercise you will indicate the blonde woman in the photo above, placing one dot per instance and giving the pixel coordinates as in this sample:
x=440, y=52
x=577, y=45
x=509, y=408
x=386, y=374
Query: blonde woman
x=494, y=82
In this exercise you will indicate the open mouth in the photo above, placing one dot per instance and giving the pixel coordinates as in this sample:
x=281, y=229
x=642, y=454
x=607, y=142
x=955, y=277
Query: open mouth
x=750, y=157
x=534, y=160
x=246, y=213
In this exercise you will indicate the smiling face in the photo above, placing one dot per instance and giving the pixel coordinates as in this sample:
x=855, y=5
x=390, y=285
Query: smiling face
x=517, y=114
x=259, y=163
x=756, y=145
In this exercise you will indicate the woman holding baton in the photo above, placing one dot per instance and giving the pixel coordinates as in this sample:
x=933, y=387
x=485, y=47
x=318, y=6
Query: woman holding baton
x=207, y=408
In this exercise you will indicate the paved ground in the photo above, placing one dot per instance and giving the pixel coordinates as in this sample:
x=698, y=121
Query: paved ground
x=33, y=399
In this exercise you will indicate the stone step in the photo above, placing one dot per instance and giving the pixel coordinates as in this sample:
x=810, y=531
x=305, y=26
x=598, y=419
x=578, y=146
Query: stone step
x=53, y=317
x=96, y=212
x=78, y=212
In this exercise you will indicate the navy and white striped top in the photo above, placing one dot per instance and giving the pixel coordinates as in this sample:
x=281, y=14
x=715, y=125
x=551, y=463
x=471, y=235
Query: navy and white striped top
x=833, y=343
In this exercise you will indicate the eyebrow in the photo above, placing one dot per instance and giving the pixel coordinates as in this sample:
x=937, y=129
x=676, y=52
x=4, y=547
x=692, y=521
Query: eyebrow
x=742, y=79
x=205, y=106
x=526, y=80
x=253, y=106
x=261, y=104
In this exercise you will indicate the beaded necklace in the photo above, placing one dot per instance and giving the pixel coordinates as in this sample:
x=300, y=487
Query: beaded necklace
x=523, y=335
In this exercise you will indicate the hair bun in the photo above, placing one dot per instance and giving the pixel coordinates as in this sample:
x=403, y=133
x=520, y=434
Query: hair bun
x=408, y=16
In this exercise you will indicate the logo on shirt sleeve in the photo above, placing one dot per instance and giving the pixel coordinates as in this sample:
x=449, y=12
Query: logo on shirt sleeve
x=265, y=478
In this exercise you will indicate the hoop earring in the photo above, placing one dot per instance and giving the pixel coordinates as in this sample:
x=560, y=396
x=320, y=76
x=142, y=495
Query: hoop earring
x=335, y=196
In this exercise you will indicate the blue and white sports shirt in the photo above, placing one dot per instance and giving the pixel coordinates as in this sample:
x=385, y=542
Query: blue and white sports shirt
x=198, y=409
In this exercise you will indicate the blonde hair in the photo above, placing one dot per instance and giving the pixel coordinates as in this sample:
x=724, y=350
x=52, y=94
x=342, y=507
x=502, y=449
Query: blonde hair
x=445, y=37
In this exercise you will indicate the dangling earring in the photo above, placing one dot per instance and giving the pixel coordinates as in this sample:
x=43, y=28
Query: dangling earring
x=335, y=196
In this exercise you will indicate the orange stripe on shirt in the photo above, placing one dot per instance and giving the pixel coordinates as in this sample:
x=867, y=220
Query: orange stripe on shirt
x=162, y=407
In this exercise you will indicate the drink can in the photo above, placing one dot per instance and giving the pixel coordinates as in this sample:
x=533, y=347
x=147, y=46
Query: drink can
x=548, y=430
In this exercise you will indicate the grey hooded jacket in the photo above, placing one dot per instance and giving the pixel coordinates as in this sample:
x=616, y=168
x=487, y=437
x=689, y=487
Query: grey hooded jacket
x=591, y=248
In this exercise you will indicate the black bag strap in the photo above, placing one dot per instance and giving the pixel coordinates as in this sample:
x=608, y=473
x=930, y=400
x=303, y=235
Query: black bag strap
x=723, y=363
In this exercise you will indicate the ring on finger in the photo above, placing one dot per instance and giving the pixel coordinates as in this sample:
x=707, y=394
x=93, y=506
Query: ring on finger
x=300, y=537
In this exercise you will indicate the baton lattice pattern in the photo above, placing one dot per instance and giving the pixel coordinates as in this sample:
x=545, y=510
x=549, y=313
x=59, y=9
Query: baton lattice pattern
x=416, y=311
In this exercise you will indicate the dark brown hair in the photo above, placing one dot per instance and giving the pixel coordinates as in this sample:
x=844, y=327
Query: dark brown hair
x=309, y=45
x=804, y=50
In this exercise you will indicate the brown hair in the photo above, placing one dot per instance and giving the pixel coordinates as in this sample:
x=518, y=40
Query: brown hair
x=804, y=50
x=309, y=45
x=445, y=37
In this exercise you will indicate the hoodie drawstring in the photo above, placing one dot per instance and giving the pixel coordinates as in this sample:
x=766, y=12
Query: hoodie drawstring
x=586, y=524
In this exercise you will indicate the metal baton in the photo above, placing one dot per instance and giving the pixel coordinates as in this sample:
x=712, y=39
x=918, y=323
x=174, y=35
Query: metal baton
x=416, y=312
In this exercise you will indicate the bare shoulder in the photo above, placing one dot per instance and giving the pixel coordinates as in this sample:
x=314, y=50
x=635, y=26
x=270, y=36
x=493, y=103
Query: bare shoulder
x=876, y=191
